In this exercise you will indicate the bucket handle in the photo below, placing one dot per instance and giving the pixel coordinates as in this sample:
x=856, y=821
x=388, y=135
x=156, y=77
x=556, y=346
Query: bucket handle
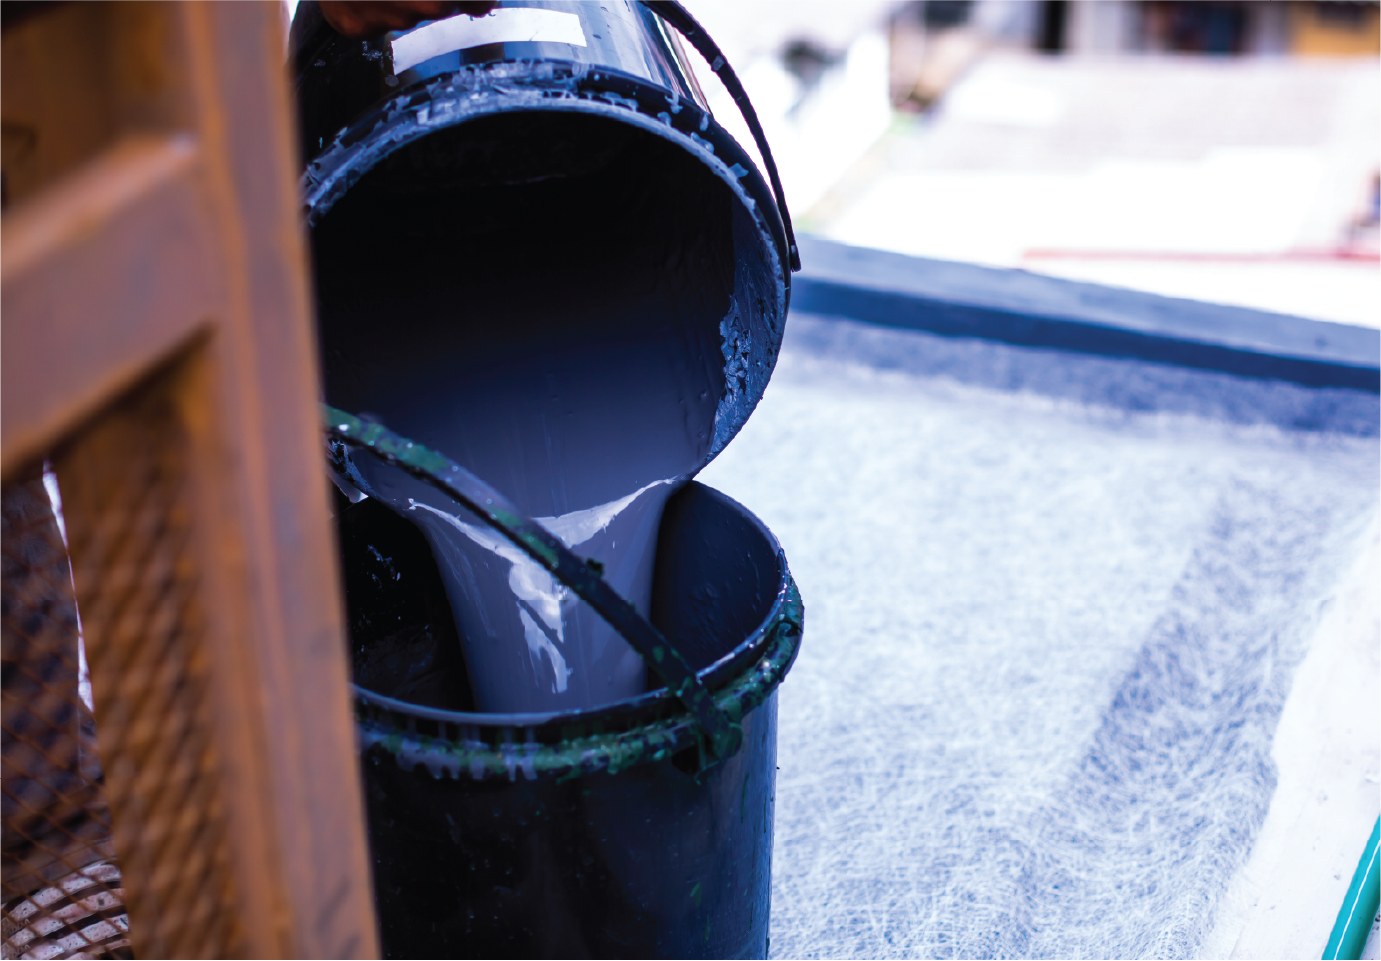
x=676, y=14
x=556, y=558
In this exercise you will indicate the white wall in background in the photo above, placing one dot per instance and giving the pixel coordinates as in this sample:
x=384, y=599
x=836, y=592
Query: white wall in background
x=748, y=29
x=815, y=133
x=1212, y=205
x=991, y=97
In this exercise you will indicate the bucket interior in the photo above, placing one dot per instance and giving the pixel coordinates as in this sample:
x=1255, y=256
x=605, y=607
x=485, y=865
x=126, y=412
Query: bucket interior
x=552, y=275
x=718, y=573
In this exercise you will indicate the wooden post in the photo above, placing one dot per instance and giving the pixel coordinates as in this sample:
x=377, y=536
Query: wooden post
x=158, y=349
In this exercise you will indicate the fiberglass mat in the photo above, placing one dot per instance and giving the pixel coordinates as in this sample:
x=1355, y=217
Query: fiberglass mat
x=1053, y=605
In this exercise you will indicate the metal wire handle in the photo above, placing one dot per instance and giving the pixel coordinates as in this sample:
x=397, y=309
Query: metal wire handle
x=676, y=14
x=725, y=737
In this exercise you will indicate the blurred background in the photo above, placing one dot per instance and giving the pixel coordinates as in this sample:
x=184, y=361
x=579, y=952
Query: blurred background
x=1218, y=151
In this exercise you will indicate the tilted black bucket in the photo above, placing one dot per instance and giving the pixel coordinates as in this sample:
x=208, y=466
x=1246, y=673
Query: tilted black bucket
x=557, y=209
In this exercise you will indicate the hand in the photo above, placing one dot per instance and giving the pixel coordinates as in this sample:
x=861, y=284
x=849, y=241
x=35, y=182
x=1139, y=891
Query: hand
x=367, y=19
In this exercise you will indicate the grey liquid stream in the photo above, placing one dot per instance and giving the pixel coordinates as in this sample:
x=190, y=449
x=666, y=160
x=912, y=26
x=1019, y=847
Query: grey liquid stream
x=559, y=337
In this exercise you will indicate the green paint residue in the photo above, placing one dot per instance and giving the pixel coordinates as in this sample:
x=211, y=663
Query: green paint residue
x=610, y=752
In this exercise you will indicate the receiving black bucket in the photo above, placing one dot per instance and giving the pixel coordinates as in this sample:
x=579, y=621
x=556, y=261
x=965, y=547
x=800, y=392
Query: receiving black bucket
x=588, y=834
x=641, y=828
x=561, y=188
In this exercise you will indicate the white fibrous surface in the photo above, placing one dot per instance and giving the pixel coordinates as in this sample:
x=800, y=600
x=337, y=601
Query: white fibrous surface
x=1053, y=604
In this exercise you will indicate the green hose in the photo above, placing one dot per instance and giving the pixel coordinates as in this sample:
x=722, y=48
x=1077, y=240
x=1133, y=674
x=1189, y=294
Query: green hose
x=1359, y=907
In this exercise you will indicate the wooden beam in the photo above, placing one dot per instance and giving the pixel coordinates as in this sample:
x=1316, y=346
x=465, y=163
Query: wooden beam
x=156, y=312
x=101, y=276
x=296, y=635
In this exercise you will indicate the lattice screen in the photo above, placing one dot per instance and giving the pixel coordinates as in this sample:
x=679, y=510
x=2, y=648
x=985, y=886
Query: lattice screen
x=60, y=890
x=158, y=356
x=135, y=786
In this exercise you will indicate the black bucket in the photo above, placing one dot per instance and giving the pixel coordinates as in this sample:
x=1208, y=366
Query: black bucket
x=595, y=833
x=601, y=158
x=531, y=254
x=578, y=172
x=635, y=829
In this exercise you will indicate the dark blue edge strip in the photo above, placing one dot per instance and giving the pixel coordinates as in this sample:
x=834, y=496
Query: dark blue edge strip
x=909, y=292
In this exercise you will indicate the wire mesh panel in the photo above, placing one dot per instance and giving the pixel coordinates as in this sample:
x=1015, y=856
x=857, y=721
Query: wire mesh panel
x=127, y=497
x=158, y=355
x=60, y=893
x=157, y=804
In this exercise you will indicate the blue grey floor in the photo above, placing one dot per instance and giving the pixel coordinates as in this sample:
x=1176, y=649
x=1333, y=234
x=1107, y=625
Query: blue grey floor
x=1053, y=603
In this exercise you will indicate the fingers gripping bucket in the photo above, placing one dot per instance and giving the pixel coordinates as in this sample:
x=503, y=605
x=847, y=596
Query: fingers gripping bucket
x=569, y=197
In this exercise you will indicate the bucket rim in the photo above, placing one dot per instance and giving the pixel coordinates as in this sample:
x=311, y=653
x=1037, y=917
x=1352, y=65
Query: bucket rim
x=714, y=675
x=751, y=332
x=487, y=89
x=453, y=746
x=652, y=704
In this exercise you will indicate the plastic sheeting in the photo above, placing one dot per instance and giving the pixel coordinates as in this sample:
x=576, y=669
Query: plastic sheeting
x=1053, y=606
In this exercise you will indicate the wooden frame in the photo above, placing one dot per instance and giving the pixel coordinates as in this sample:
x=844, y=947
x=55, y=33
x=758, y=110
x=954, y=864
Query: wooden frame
x=154, y=239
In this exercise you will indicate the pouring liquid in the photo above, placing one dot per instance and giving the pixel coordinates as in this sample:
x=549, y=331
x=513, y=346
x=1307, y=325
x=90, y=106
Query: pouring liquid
x=559, y=337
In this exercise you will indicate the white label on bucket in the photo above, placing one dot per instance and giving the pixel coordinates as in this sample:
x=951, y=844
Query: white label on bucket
x=504, y=25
